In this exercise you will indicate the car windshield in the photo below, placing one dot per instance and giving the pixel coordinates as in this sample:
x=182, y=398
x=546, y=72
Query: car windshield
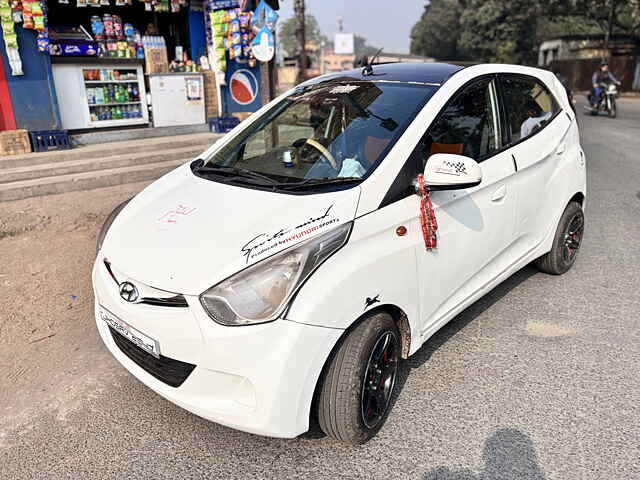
x=325, y=134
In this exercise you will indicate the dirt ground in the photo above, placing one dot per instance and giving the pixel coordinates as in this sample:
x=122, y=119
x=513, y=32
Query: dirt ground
x=47, y=246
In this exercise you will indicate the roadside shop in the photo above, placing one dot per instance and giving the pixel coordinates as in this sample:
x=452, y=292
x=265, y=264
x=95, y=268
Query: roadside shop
x=122, y=63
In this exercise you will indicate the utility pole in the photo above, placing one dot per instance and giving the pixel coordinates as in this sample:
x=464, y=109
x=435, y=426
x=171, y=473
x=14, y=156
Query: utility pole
x=298, y=8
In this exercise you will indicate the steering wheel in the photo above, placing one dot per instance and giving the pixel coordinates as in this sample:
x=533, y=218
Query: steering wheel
x=318, y=146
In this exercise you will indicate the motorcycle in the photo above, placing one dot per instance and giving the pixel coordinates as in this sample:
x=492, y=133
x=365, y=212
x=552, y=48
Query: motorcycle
x=607, y=101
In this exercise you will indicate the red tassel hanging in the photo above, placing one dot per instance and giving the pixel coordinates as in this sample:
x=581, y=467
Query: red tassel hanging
x=427, y=216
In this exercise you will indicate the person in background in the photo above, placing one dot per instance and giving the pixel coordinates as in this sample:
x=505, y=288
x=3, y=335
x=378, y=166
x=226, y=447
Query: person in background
x=600, y=77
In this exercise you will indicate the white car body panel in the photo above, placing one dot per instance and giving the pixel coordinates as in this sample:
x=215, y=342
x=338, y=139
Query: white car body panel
x=184, y=234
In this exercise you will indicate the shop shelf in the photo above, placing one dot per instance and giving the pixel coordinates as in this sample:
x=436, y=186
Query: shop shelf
x=117, y=123
x=113, y=104
x=96, y=82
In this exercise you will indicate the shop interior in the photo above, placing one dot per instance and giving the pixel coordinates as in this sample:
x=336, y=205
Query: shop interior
x=173, y=27
x=106, y=59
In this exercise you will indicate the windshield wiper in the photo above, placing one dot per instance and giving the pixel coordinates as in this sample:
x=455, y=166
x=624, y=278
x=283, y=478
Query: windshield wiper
x=236, y=173
x=314, y=182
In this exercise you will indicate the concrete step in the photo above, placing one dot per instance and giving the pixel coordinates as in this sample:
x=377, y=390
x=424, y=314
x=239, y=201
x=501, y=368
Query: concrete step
x=199, y=140
x=120, y=135
x=86, y=180
x=96, y=163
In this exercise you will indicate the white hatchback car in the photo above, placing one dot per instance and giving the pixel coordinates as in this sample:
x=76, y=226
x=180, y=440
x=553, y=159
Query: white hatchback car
x=283, y=275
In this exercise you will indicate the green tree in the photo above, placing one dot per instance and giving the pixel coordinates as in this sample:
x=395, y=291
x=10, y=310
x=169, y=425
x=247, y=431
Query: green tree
x=499, y=31
x=511, y=30
x=362, y=47
x=287, y=34
x=437, y=32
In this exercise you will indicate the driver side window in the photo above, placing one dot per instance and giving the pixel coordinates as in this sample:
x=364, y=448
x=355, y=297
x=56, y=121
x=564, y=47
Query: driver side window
x=467, y=126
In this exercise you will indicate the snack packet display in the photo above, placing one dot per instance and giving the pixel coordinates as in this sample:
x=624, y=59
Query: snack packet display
x=43, y=42
x=231, y=34
x=6, y=22
x=27, y=17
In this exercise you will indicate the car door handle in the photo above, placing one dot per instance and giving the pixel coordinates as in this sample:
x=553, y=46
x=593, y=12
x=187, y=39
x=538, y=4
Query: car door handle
x=560, y=149
x=499, y=194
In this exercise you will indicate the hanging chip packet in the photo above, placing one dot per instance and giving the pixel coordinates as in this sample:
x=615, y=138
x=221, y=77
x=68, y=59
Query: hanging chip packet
x=6, y=22
x=10, y=38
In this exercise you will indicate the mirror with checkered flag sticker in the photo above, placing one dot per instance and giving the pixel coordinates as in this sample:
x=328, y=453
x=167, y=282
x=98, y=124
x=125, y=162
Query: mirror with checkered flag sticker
x=448, y=171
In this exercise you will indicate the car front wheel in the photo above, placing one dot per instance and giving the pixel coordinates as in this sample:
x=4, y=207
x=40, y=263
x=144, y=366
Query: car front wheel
x=359, y=381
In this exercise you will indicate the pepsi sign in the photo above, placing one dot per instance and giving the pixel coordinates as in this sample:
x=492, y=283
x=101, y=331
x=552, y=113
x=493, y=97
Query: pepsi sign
x=243, y=87
x=242, y=92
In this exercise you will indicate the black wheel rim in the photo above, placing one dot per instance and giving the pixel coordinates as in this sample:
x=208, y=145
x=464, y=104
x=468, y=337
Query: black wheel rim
x=573, y=238
x=379, y=379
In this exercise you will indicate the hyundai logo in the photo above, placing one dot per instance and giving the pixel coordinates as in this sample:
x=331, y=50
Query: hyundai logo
x=128, y=292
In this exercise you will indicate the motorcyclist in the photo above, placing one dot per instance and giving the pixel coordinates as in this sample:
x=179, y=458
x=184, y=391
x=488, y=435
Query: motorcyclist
x=600, y=77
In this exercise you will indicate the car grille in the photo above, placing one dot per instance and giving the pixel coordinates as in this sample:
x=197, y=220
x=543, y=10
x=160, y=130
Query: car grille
x=176, y=300
x=167, y=370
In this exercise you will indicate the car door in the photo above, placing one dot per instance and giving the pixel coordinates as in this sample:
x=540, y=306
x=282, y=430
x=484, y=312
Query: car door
x=476, y=226
x=535, y=130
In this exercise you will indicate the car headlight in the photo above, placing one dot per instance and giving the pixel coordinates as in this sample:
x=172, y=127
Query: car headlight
x=107, y=224
x=261, y=292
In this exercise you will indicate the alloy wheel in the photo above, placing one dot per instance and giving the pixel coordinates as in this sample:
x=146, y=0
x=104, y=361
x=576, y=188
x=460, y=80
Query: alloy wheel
x=379, y=379
x=573, y=238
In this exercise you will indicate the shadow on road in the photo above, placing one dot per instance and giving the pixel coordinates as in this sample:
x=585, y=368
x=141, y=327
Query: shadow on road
x=459, y=322
x=508, y=454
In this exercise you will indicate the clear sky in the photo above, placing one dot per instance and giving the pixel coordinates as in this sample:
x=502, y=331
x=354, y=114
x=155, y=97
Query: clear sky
x=383, y=23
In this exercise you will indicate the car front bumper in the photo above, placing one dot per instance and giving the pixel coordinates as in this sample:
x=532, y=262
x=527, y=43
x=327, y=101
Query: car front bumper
x=259, y=379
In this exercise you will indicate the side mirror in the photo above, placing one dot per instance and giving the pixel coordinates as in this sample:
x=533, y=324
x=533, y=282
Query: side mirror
x=448, y=171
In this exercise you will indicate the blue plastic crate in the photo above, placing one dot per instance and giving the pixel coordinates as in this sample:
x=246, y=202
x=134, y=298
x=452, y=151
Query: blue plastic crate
x=47, y=140
x=223, y=124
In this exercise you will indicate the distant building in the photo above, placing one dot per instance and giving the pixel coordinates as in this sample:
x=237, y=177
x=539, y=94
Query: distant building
x=402, y=58
x=331, y=62
x=336, y=62
x=578, y=47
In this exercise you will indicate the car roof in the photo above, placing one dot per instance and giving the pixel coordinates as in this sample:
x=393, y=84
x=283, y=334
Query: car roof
x=432, y=73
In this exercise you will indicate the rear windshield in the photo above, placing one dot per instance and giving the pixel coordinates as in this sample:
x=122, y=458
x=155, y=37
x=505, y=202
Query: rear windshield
x=326, y=131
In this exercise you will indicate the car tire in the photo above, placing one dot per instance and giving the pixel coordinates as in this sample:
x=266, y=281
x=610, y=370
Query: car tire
x=361, y=373
x=566, y=242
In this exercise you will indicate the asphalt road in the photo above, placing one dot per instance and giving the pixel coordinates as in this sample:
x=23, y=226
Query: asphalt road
x=538, y=380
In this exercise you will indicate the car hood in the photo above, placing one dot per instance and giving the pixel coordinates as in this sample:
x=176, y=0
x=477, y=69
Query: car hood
x=184, y=234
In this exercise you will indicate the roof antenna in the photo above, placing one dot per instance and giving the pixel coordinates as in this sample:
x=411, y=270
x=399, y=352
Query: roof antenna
x=368, y=67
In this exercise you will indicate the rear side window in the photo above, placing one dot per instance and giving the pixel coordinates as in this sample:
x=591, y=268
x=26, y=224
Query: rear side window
x=528, y=105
